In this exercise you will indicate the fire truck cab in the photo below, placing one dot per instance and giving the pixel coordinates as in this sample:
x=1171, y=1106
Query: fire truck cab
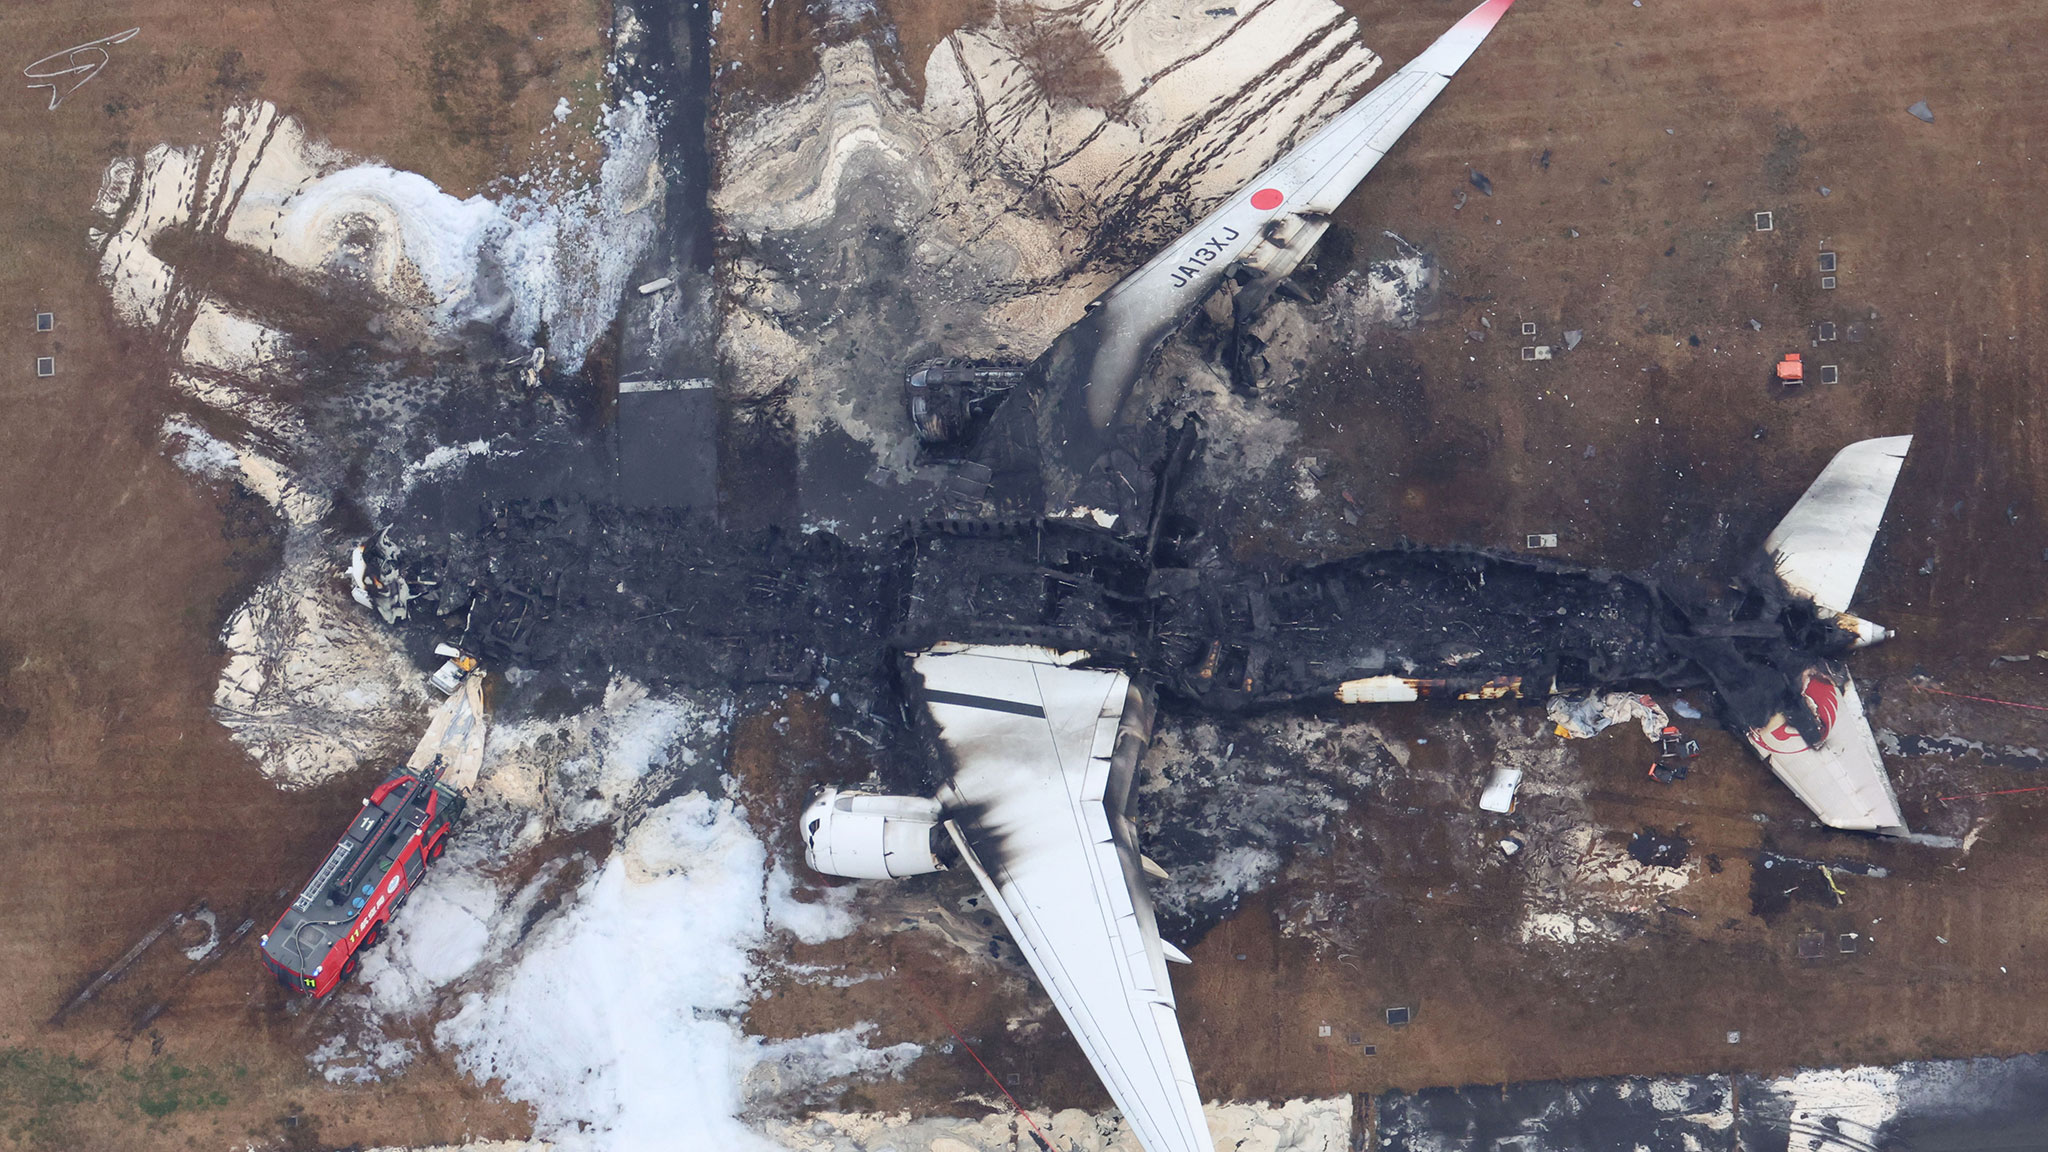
x=402, y=828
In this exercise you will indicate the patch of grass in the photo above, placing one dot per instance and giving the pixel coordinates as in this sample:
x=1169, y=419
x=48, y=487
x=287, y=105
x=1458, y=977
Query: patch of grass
x=41, y=1093
x=167, y=1086
x=37, y=1092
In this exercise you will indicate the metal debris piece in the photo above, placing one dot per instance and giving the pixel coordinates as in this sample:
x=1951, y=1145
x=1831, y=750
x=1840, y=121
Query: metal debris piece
x=653, y=286
x=1824, y=190
x=1756, y=324
x=1572, y=338
x=1460, y=201
x=1480, y=182
x=1922, y=111
x=1499, y=796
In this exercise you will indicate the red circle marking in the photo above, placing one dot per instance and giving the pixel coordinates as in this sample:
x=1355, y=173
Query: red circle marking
x=1267, y=199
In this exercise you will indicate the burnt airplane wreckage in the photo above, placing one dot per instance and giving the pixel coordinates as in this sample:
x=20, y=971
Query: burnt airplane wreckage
x=1008, y=666
x=679, y=603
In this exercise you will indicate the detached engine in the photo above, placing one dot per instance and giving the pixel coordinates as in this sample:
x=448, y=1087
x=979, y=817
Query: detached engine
x=867, y=837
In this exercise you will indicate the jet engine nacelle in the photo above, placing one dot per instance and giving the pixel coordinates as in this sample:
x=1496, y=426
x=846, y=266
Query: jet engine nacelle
x=867, y=837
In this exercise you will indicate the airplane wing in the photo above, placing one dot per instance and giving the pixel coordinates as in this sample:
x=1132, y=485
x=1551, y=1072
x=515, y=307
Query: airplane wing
x=1044, y=755
x=1820, y=546
x=1842, y=778
x=1266, y=228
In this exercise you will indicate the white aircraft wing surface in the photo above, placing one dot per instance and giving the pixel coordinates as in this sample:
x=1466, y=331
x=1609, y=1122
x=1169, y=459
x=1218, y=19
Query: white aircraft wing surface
x=1267, y=228
x=1842, y=778
x=1821, y=544
x=1043, y=755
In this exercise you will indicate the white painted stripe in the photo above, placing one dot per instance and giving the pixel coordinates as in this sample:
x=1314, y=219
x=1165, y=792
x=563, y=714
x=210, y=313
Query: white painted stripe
x=692, y=385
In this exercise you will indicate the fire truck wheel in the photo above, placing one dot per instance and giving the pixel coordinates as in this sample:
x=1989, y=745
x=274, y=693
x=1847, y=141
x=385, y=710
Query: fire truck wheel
x=348, y=970
x=439, y=847
x=374, y=937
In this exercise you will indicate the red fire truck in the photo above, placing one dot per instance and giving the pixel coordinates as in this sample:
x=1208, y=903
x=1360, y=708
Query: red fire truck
x=403, y=827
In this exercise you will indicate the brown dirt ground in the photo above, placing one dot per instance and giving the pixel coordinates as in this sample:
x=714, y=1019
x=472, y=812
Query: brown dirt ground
x=124, y=801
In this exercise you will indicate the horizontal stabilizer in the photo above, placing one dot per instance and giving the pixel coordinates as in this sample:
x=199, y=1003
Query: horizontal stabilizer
x=1820, y=546
x=1842, y=778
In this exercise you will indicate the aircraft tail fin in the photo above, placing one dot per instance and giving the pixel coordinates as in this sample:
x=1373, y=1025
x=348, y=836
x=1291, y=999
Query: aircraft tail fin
x=1842, y=778
x=1820, y=547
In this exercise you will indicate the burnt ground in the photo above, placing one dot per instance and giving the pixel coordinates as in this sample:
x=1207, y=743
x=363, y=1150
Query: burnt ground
x=1640, y=449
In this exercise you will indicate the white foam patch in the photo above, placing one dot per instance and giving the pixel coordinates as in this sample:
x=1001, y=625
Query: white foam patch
x=586, y=769
x=342, y=1060
x=1839, y=1109
x=197, y=451
x=221, y=340
x=312, y=686
x=396, y=230
x=566, y=252
x=1293, y=1126
x=445, y=459
x=1195, y=106
x=441, y=935
x=558, y=253
x=616, y=1018
x=828, y=915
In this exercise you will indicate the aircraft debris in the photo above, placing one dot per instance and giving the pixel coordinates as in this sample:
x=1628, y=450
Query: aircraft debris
x=448, y=677
x=1499, y=794
x=1572, y=338
x=375, y=579
x=1921, y=111
x=1581, y=718
x=1674, y=755
x=653, y=286
x=1480, y=182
